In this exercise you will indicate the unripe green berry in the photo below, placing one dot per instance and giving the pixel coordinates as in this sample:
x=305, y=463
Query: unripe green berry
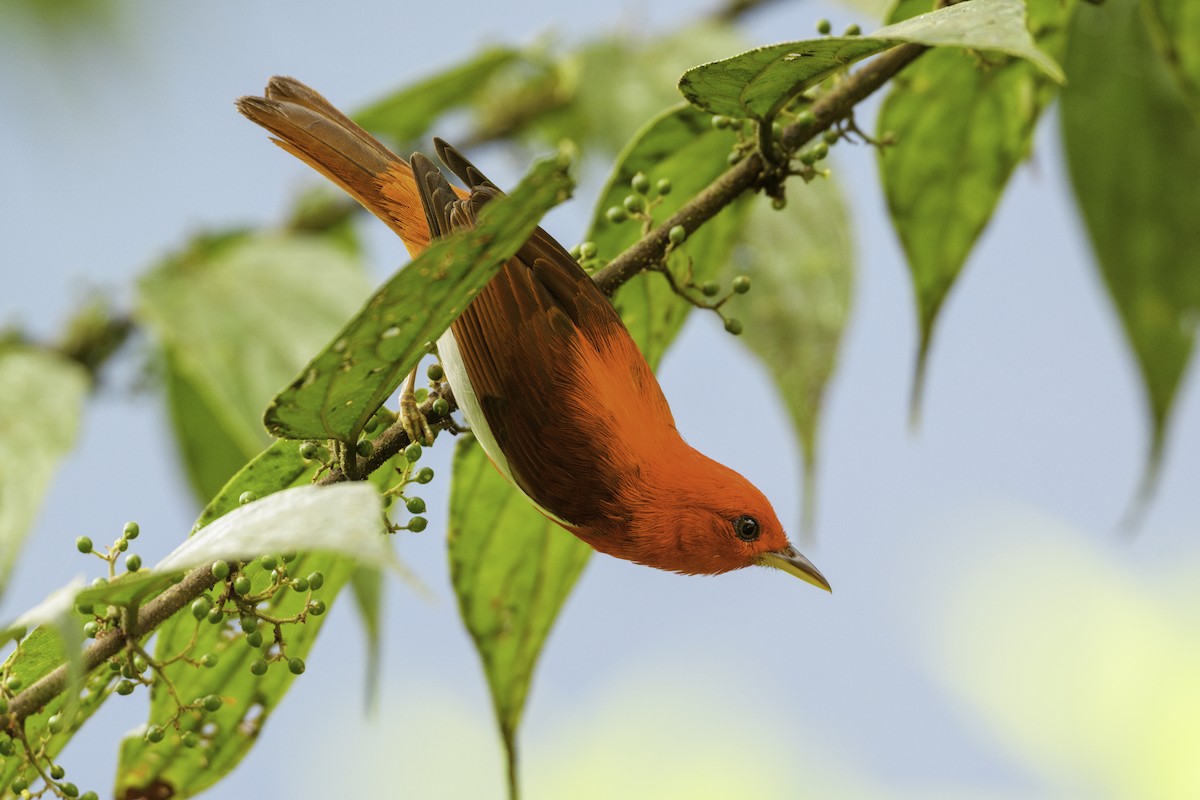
x=435, y=372
x=710, y=288
x=824, y=26
x=425, y=475
x=139, y=663
x=441, y=407
x=663, y=186
x=69, y=789
x=90, y=629
x=155, y=734
x=125, y=687
x=13, y=684
x=779, y=203
x=588, y=250
x=131, y=530
x=412, y=453
x=55, y=723
x=288, y=556
x=821, y=149
x=89, y=796
x=247, y=497
x=83, y=544
x=122, y=545
x=316, y=608
x=296, y=666
x=640, y=183
x=806, y=118
x=417, y=524
x=853, y=30
x=316, y=580
x=254, y=639
x=220, y=570
x=216, y=616
x=634, y=203
x=415, y=505
x=57, y=771
x=209, y=660
x=831, y=136
x=258, y=666
x=308, y=451
x=808, y=157
x=734, y=326
x=242, y=585
x=268, y=563
x=300, y=584
x=616, y=215
x=420, y=394
x=212, y=703
x=7, y=748
x=677, y=235
x=248, y=624
x=364, y=447
x=114, y=666
x=741, y=284
x=190, y=739
x=133, y=562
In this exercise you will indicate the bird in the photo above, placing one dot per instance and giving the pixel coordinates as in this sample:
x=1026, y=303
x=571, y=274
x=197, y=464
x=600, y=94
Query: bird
x=545, y=373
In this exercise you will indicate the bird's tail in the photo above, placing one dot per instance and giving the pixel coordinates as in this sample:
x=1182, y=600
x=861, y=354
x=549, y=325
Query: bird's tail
x=308, y=126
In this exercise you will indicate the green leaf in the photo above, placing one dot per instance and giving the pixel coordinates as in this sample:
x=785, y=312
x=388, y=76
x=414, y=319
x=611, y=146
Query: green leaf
x=801, y=264
x=41, y=400
x=512, y=569
x=237, y=315
x=367, y=584
x=1175, y=30
x=404, y=116
x=346, y=518
x=760, y=82
x=1133, y=151
x=682, y=146
x=340, y=389
x=960, y=129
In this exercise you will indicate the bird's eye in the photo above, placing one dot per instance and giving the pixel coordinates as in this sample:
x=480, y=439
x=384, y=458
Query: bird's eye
x=746, y=528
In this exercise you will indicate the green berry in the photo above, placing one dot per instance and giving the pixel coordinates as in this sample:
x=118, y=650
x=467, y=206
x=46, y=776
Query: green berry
x=19, y=784
x=258, y=666
x=734, y=326
x=89, y=796
x=420, y=394
x=720, y=123
x=216, y=616
x=425, y=475
x=122, y=545
x=133, y=562
x=364, y=447
x=85, y=608
x=125, y=687
x=710, y=288
x=634, y=203
x=83, y=544
x=13, y=684
x=131, y=530
x=308, y=451
x=248, y=623
x=7, y=748
x=417, y=524
x=820, y=149
x=212, y=703
x=779, y=203
x=372, y=425
x=435, y=372
x=300, y=584
x=254, y=639
x=246, y=497
x=831, y=136
x=412, y=453
x=155, y=734
x=220, y=570
x=640, y=183
x=853, y=30
x=616, y=215
x=824, y=26
x=268, y=563
x=57, y=771
x=415, y=505
x=441, y=407
x=55, y=723
x=296, y=666
x=139, y=663
x=242, y=585
x=190, y=739
x=588, y=249
x=677, y=235
x=806, y=118
x=209, y=660
x=741, y=284
x=316, y=608
x=316, y=580
x=288, y=556
x=663, y=186
x=90, y=629
x=69, y=789
x=114, y=666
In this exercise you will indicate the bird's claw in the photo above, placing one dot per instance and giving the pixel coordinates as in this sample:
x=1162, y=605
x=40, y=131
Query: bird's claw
x=414, y=422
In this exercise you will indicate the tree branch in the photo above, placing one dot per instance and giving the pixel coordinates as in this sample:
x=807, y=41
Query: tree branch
x=748, y=174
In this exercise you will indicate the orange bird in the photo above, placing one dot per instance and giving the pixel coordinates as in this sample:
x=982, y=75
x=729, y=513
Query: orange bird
x=552, y=384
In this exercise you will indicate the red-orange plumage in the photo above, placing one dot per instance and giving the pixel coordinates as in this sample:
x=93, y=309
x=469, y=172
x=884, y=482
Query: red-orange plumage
x=545, y=371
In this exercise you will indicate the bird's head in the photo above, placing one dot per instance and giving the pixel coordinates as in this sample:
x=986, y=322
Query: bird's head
x=708, y=520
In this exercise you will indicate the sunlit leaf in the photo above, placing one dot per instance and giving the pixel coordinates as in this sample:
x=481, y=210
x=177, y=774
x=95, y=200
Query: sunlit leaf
x=512, y=569
x=41, y=399
x=343, y=386
x=961, y=126
x=407, y=114
x=760, y=82
x=681, y=146
x=1137, y=187
x=237, y=316
x=1175, y=30
x=800, y=263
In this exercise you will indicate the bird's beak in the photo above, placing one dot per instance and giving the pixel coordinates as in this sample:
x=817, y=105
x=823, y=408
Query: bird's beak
x=790, y=560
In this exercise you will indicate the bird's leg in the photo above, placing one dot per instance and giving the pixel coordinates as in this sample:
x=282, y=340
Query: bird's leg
x=414, y=422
